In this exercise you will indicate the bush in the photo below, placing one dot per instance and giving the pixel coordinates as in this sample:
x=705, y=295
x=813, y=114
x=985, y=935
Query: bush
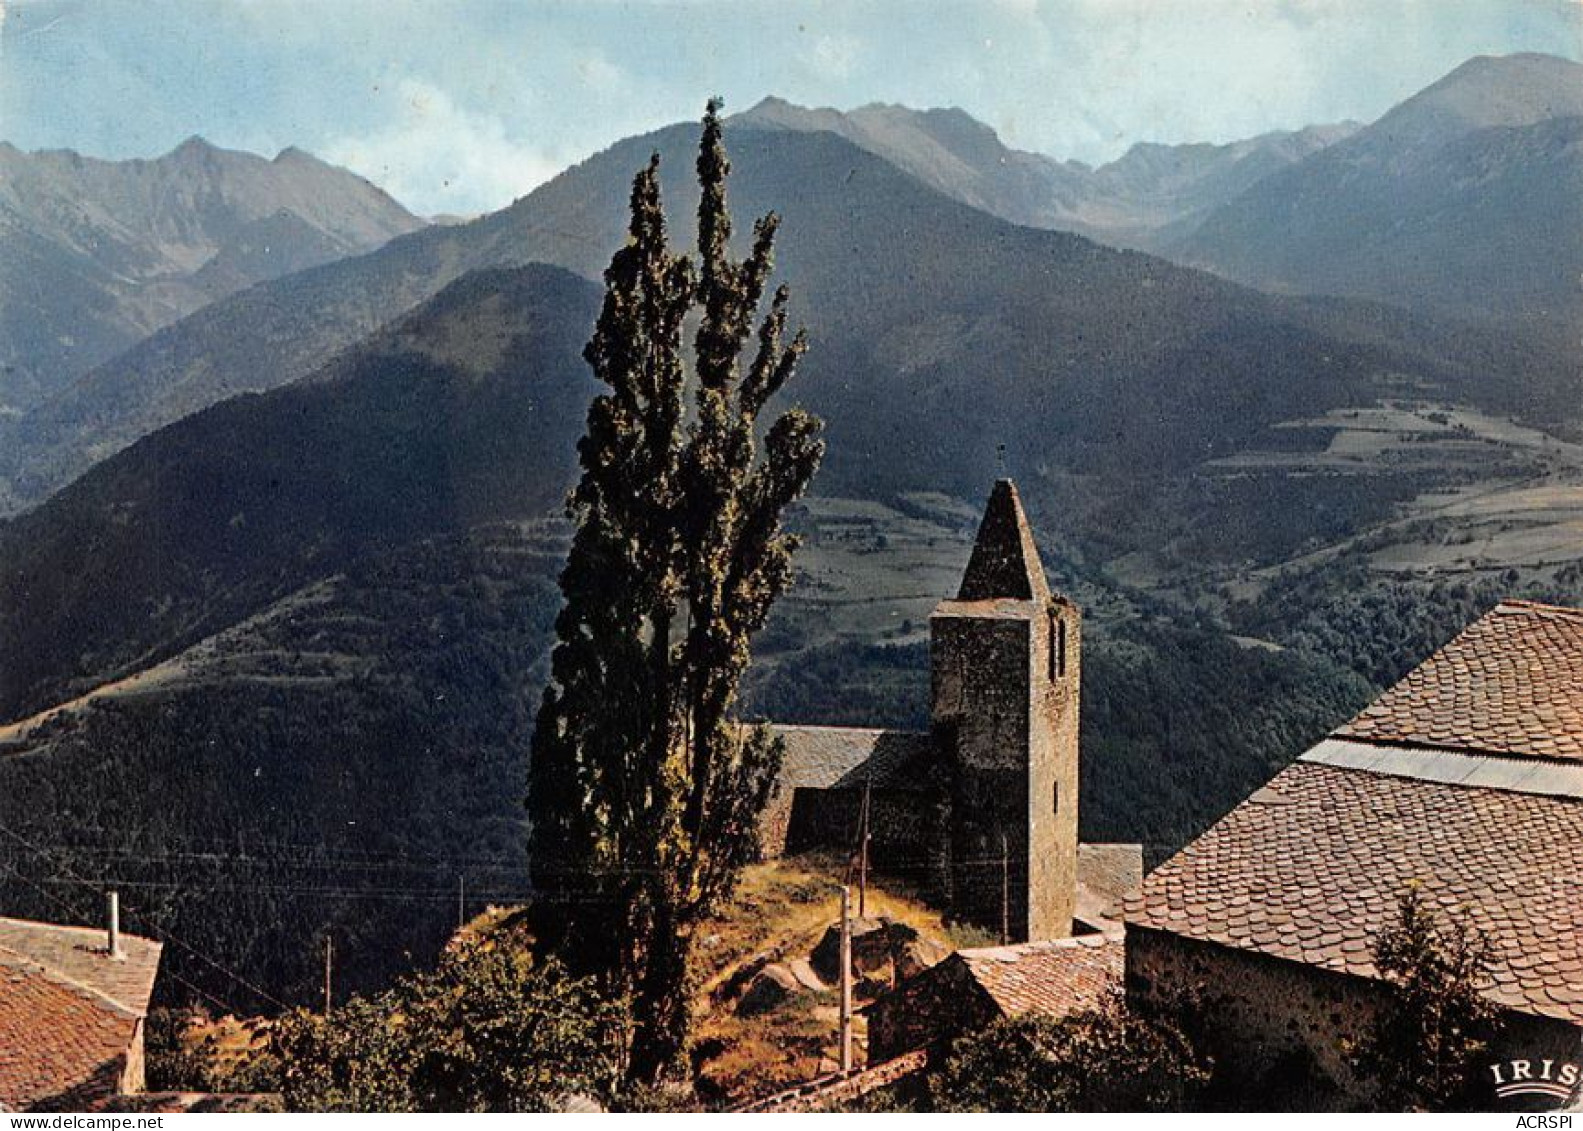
x=1109, y=1059
x=489, y=1030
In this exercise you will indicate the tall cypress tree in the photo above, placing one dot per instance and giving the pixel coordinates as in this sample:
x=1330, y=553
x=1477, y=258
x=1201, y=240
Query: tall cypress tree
x=645, y=789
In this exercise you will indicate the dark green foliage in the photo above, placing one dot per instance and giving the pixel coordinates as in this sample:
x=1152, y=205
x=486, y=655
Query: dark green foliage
x=656, y=1098
x=645, y=788
x=1181, y=723
x=845, y=684
x=171, y=1066
x=175, y=1064
x=215, y=518
x=1379, y=629
x=1426, y=1051
x=490, y=1029
x=1110, y=1059
x=332, y=772
x=904, y=1097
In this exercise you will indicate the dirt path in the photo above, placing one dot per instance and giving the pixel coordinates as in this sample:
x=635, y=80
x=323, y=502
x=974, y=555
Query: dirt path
x=23, y=729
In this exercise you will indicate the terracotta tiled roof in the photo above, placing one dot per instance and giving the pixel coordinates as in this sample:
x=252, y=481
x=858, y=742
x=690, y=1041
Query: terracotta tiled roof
x=1511, y=683
x=77, y=955
x=68, y=1013
x=56, y=1041
x=1057, y=977
x=1311, y=867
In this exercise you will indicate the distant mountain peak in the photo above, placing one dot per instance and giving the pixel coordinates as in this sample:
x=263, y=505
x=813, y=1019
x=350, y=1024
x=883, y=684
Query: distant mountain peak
x=1528, y=60
x=1461, y=199
x=1134, y=201
x=292, y=155
x=102, y=252
x=1490, y=91
x=770, y=103
x=195, y=146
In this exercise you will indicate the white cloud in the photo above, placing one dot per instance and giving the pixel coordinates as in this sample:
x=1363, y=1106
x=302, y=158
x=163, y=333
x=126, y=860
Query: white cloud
x=437, y=156
x=598, y=73
x=833, y=56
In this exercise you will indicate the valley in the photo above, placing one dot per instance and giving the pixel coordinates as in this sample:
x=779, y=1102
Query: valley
x=279, y=570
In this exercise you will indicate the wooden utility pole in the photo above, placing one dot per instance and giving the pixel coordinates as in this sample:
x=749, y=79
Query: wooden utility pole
x=846, y=978
x=1005, y=891
x=329, y=959
x=862, y=859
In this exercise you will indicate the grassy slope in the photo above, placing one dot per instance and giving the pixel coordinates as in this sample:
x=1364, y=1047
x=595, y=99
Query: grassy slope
x=782, y=909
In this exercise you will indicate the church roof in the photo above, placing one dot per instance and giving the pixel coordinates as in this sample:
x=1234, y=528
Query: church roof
x=1005, y=561
x=1311, y=869
x=1511, y=683
x=1106, y=875
x=68, y=1012
x=847, y=757
x=1462, y=781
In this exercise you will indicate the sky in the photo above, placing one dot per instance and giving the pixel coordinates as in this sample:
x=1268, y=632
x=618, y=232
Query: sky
x=465, y=105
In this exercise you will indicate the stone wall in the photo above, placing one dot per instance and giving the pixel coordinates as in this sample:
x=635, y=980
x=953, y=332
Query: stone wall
x=1274, y=1021
x=939, y=1004
x=1282, y=1028
x=980, y=717
x=133, y=1075
x=1055, y=677
x=907, y=829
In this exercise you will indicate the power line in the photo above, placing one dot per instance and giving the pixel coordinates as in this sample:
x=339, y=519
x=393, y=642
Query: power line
x=446, y=893
x=76, y=914
x=164, y=934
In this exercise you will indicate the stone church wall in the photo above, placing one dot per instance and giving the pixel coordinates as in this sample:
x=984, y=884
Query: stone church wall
x=907, y=830
x=1283, y=1028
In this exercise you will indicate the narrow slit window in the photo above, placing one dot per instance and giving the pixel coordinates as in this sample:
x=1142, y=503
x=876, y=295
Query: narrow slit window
x=1053, y=664
x=1055, y=799
x=1058, y=661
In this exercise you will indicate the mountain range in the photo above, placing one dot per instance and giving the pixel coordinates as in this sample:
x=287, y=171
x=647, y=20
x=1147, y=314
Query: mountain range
x=1138, y=201
x=96, y=255
x=1107, y=375
x=279, y=332
x=289, y=560
x=1467, y=199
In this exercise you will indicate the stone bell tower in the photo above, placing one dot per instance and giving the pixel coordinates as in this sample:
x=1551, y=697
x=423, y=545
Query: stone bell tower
x=1006, y=660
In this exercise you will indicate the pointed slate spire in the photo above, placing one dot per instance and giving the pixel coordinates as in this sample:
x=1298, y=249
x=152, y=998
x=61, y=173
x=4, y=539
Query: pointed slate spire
x=1005, y=562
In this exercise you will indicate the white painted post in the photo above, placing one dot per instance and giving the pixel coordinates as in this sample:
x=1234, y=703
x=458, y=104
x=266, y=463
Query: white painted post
x=115, y=927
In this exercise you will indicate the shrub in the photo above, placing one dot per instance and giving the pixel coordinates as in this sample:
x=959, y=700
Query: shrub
x=488, y=1030
x=1110, y=1059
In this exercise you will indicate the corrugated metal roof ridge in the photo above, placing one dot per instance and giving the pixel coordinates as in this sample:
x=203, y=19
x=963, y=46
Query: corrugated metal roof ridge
x=1514, y=604
x=1482, y=769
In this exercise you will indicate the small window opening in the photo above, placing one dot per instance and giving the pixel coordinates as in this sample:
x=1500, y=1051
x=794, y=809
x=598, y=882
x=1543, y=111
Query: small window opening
x=1057, y=648
x=1055, y=806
